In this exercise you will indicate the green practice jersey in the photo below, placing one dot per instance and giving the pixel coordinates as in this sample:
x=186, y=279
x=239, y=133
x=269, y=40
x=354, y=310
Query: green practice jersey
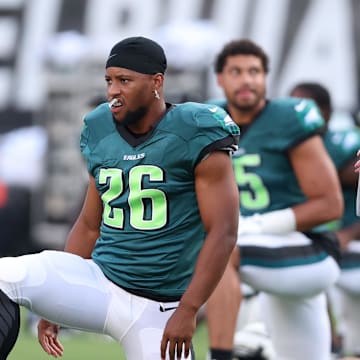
x=151, y=230
x=342, y=147
x=263, y=171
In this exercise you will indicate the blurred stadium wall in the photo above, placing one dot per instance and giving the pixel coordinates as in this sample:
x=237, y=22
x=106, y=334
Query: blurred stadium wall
x=52, y=56
x=305, y=39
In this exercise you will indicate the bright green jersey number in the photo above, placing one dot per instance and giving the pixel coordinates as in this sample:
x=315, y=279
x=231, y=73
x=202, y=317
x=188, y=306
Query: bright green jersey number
x=253, y=194
x=114, y=217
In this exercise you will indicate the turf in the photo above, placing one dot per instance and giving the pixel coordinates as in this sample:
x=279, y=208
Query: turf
x=88, y=346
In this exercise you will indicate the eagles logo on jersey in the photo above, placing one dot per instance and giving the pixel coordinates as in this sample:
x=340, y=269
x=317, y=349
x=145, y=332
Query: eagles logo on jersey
x=147, y=188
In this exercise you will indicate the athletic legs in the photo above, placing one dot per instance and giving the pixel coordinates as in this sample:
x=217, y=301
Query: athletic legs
x=298, y=327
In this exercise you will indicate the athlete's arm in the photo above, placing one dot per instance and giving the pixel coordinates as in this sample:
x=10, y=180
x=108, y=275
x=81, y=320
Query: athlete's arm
x=347, y=175
x=218, y=201
x=349, y=178
x=84, y=233
x=348, y=234
x=319, y=181
x=357, y=163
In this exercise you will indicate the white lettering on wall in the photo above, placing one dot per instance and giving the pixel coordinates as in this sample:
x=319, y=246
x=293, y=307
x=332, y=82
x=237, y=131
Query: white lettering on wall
x=322, y=49
x=40, y=22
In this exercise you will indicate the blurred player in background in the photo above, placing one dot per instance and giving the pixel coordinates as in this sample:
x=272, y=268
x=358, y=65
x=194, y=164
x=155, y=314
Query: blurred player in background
x=342, y=147
x=288, y=185
x=136, y=262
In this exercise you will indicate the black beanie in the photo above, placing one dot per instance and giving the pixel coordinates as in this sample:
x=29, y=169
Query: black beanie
x=138, y=54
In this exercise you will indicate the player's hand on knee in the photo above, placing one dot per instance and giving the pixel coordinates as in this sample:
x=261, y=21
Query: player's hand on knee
x=178, y=332
x=48, y=338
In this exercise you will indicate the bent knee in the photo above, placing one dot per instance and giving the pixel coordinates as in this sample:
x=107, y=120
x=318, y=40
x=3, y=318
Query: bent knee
x=12, y=269
x=20, y=271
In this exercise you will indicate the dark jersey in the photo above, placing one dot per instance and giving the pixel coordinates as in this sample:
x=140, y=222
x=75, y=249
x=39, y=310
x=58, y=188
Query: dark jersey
x=342, y=147
x=264, y=174
x=151, y=230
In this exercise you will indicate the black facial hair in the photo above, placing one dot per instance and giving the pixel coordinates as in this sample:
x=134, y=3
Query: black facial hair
x=133, y=117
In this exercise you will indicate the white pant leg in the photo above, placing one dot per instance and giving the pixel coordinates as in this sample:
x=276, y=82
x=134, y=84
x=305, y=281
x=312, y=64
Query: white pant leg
x=349, y=279
x=142, y=338
x=58, y=286
x=304, y=279
x=71, y=291
x=249, y=311
x=350, y=325
x=335, y=302
x=298, y=327
x=348, y=287
x=291, y=275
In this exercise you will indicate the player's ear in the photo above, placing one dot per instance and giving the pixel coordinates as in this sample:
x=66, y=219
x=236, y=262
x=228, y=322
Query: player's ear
x=158, y=80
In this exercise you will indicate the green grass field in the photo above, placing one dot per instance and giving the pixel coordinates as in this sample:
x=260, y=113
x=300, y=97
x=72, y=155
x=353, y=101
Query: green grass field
x=86, y=346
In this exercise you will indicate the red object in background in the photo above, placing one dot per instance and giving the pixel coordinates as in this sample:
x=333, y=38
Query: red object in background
x=3, y=194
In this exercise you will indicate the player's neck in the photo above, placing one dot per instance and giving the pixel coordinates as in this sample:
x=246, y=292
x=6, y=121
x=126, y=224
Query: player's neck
x=151, y=118
x=245, y=116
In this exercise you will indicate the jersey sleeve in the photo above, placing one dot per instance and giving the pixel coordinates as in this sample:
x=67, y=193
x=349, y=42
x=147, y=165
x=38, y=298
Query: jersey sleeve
x=215, y=130
x=300, y=120
x=343, y=146
x=351, y=144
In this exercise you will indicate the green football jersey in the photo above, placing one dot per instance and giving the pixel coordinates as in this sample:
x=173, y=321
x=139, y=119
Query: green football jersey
x=151, y=230
x=342, y=147
x=263, y=171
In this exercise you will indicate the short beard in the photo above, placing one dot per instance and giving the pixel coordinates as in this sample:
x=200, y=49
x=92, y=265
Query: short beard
x=244, y=108
x=134, y=117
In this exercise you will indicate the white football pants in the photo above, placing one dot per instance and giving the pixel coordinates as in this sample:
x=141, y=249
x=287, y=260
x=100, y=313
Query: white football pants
x=293, y=304
x=73, y=292
x=348, y=287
